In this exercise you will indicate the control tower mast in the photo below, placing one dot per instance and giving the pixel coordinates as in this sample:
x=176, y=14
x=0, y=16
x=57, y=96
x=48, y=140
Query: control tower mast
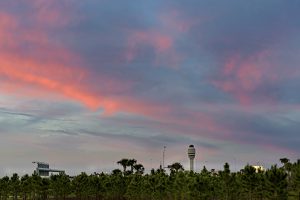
x=191, y=155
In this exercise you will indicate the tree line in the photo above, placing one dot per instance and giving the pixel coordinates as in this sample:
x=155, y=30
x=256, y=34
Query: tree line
x=130, y=183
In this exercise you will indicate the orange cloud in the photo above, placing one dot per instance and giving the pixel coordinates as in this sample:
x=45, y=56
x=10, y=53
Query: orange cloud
x=51, y=69
x=47, y=67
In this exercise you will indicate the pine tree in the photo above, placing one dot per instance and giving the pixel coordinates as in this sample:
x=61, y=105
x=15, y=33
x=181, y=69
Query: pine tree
x=4, y=187
x=294, y=184
x=26, y=186
x=249, y=181
x=15, y=185
x=277, y=183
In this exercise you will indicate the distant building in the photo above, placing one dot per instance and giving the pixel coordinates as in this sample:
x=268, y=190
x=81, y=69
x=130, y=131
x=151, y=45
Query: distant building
x=43, y=169
x=258, y=168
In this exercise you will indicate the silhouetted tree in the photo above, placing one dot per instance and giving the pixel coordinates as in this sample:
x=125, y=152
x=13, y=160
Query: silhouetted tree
x=4, y=187
x=80, y=185
x=249, y=181
x=124, y=163
x=131, y=163
x=179, y=184
x=26, y=186
x=277, y=183
x=175, y=167
x=15, y=185
x=139, y=168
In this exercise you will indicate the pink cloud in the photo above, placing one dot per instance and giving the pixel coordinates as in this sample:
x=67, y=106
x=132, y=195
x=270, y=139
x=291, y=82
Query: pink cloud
x=162, y=40
x=161, y=43
x=47, y=67
x=55, y=70
x=176, y=22
x=52, y=13
x=242, y=76
x=50, y=69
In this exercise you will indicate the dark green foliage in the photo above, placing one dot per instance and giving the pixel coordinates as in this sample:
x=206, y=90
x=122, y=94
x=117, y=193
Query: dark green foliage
x=294, y=184
x=45, y=188
x=60, y=185
x=4, y=188
x=277, y=183
x=134, y=189
x=230, y=185
x=249, y=181
x=15, y=186
x=80, y=185
x=26, y=186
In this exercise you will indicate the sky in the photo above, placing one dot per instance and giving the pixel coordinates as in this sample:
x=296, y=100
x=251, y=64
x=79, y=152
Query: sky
x=84, y=84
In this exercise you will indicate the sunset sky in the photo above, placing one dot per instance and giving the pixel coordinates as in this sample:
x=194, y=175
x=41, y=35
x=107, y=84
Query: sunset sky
x=86, y=83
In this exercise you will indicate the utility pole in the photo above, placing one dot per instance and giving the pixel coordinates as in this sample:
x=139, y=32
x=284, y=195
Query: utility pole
x=164, y=157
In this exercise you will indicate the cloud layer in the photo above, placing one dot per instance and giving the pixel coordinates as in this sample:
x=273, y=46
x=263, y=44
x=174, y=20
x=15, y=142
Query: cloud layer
x=106, y=79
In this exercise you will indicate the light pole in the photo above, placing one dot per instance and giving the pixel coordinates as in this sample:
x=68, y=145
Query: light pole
x=164, y=157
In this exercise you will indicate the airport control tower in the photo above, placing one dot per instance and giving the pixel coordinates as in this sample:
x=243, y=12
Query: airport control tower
x=191, y=154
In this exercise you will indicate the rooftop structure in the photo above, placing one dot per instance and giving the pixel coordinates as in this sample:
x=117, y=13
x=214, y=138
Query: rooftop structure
x=43, y=169
x=258, y=168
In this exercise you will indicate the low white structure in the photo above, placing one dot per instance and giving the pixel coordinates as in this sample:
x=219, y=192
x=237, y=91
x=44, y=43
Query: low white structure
x=258, y=168
x=43, y=169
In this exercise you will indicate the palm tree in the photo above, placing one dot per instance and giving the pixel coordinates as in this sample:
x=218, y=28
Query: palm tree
x=131, y=163
x=124, y=163
x=176, y=167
